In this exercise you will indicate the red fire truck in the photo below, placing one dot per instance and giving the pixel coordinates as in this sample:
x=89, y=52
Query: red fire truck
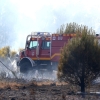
x=42, y=51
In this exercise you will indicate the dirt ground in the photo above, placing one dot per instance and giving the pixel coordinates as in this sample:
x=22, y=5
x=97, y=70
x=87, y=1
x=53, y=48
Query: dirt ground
x=19, y=89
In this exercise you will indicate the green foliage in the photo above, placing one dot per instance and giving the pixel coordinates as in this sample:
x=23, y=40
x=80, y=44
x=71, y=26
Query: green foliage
x=72, y=28
x=6, y=52
x=80, y=59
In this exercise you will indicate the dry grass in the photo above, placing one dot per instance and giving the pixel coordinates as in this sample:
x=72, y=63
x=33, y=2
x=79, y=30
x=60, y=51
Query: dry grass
x=50, y=83
x=13, y=85
x=47, y=90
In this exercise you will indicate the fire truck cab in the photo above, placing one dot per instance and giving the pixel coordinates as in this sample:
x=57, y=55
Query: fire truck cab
x=42, y=51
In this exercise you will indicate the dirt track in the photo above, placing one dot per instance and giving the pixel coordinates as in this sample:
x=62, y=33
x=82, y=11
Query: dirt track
x=11, y=89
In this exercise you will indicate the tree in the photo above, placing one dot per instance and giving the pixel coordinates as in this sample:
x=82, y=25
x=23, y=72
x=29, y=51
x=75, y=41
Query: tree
x=70, y=28
x=5, y=52
x=80, y=59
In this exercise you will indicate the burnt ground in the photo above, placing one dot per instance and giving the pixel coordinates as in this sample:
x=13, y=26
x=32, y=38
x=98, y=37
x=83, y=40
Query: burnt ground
x=19, y=89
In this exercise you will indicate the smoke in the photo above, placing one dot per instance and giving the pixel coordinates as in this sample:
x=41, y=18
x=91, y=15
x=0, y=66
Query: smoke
x=40, y=76
x=9, y=69
x=20, y=18
x=8, y=18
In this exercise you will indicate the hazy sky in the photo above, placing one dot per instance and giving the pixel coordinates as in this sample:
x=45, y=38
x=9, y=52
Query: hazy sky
x=48, y=15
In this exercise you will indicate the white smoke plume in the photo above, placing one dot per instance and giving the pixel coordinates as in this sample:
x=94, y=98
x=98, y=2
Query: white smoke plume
x=9, y=69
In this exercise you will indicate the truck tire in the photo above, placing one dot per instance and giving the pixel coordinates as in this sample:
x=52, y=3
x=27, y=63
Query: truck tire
x=25, y=67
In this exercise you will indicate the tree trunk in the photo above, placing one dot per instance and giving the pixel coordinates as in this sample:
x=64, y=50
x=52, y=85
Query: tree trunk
x=82, y=82
x=83, y=89
x=82, y=86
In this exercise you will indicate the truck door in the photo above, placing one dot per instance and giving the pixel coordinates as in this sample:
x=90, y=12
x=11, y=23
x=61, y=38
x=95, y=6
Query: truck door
x=45, y=50
x=32, y=48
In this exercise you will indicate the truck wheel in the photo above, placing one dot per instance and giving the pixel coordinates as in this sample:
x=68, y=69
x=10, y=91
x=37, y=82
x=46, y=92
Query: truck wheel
x=25, y=67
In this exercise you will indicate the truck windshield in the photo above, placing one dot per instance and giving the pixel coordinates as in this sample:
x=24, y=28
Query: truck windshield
x=33, y=44
x=46, y=45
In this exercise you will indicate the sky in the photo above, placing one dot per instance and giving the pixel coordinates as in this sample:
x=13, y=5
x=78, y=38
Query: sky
x=26, y=16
